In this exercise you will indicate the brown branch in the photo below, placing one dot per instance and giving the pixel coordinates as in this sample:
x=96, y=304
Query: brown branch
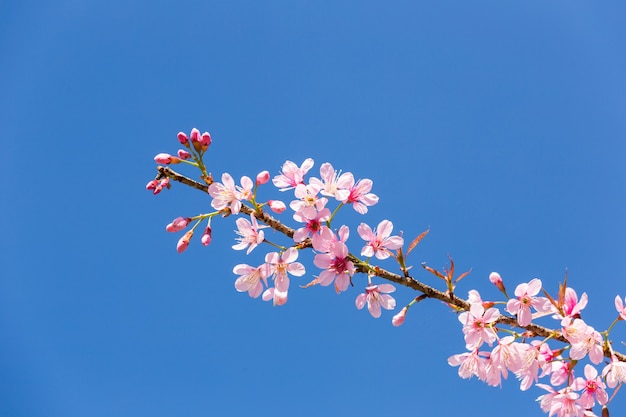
x=407, y=281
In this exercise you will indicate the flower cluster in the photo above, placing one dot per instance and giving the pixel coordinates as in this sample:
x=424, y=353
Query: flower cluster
x=495, y=347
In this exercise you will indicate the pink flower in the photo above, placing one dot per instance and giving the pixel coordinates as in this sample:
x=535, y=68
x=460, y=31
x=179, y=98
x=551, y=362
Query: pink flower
x=332, y=184
x=250, y=235
x=157, y=186
x=571, y=306
x=360, y=196
x=178, y=224
x=292, y=175
x=620, y=307
x=312, y=226
x=563, y=403
x=470, y=364
x=323, y=240
x=277, y=206
x=593, y=388
x=507, y=355
x=251, y=279
x=279, y=266
x=379, y=242
x=337, y=266
x=478, y=325
x=398, y=319
x=225, y=195
x=496, y=280
x=614, y=372
x=183, y=242
x=377, y=296
x=526, y=299
x=308, y=203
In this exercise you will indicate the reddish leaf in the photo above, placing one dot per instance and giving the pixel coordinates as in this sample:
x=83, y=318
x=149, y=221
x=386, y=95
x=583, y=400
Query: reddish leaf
x=417, y=240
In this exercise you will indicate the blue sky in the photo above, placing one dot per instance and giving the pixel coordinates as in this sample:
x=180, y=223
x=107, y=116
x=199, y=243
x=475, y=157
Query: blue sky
x=500, y=126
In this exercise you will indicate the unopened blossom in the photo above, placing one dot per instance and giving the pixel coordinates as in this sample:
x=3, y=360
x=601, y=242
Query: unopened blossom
x=376, y=296
x=308, y=203
x=250, y=234
x=359, y=194
x=251, y=279
x=262, y=177
x=312, y=226
x=207, y=236
x=205, y=141
x=614, y=372
x=183, y=139
x=183, y=154
x=279, y=267
x=165, y=158
x=478, y=325
x=620, y=306
x=225, y=195
x=525, y=294
x=496, y=280
x=292, y=175
x=398, y=319
x=379, y=241
x=183, y=242
x=333, y=184
x=593, y=388
x=336, y=265
x=178, y=224
x=277, y=206
x=158, y=185
x=195, y=139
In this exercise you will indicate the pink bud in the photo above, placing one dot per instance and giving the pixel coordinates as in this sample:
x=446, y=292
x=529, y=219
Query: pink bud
x=152, y=185
x=178, y=224
x=398, y=319
x=262, y=177
x=183, y=154
x=163, y=158
x=183, y=242
x=164, y=183
x=277, y=206
x=207, y=236
x=496, y=280
x=183, y=139
x=195, y=135
x=205, y=141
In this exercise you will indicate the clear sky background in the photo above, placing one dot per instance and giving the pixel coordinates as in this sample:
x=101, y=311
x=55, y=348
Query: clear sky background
x=499, y=125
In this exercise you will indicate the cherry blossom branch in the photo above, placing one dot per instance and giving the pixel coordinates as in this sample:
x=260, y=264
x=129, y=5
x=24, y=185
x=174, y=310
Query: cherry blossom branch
x=405, y=280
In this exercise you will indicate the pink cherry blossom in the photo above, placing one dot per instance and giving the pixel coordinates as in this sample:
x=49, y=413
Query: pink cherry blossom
x=333, y=184
x=325, y=237
x=178, y=224
x=292, y=175
x=251, y=279
x=593, y=388
x=225, y=195
x=379, y=242
x=526, y=299
x=183, y=154
x=165, y=158
x=571, y=305
x=158, y=185
x=308, y=203
x=478, y=325
x=470, y=364
x=336, y=265
x=496, y=280
x=563, y=403
x=279, y=266
x=620, y=307
x=376, y=296
x=359, y=195
x=614, y=372
x=183, y=139
x=312, y=226
x=250, y=234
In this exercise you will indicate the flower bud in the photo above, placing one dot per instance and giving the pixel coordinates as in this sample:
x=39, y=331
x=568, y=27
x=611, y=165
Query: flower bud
x=183, y=154
x=178, y=224
x=164, y=183
x=205, y=141
x=163, y=158
x=262, y=177
x=183, y=139
x=277, y=206
x=207, y=236
x=195, y=139
x=183, y=242
x=496, y=280
x=398, y=319
x=152, y=185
